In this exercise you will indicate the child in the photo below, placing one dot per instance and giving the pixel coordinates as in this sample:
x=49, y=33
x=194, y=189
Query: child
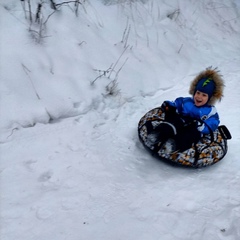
x=188, y=119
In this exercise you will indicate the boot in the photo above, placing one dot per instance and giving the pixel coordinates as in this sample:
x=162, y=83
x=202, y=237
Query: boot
x=160, y=134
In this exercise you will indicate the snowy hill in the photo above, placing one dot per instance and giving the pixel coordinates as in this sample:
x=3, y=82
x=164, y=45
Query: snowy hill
x=75, y=79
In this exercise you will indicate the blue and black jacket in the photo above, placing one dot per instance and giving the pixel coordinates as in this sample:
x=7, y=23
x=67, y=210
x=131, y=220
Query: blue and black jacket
x=206, y=114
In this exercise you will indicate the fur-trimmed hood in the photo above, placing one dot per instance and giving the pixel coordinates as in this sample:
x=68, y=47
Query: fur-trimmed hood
x=216, y=77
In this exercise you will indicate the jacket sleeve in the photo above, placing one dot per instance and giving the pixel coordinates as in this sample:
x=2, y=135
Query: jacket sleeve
x=212, y=121
x=179, y=104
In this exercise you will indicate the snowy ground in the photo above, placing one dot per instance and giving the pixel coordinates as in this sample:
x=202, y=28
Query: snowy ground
x=73, y=89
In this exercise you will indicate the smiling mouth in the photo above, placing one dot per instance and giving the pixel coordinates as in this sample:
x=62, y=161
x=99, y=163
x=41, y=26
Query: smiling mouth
x=198, y=101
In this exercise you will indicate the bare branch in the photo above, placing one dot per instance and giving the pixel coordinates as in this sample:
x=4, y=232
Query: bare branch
x=102, y=73
x=117, y=61
x=62, y=3
x=27, y=71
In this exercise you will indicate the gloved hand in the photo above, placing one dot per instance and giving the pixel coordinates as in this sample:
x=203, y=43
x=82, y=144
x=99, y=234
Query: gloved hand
x=168, y=106
x=199, y=125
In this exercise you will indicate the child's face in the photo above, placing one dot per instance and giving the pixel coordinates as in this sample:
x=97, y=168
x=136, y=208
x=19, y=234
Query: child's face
x=200, y=98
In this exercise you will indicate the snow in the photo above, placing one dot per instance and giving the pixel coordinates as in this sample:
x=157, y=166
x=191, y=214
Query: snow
x=72, y=93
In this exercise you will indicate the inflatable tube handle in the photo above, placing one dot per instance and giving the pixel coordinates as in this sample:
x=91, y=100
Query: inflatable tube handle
x=211, y=132
x=224, y=132
x=197, y=153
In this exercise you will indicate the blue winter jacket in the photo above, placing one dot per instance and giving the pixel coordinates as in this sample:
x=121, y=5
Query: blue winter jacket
x=207, y=113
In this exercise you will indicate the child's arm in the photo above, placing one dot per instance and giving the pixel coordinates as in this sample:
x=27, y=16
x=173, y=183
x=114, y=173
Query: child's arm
x=211, y=122
x=177, y=104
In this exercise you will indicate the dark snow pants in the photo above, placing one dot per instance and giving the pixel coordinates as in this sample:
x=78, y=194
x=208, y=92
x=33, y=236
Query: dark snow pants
x=183, y=131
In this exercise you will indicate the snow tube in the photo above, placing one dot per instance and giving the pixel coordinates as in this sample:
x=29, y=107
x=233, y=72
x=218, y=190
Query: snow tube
x=209, y=150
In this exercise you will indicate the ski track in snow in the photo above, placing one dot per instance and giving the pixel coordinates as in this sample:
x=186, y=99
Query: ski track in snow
x=72, y=167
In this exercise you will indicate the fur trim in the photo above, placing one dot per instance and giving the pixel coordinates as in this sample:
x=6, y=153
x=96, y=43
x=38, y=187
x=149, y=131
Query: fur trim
x=217, y=78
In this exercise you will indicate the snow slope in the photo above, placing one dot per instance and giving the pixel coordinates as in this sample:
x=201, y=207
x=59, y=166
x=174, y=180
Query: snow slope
x=73, y=88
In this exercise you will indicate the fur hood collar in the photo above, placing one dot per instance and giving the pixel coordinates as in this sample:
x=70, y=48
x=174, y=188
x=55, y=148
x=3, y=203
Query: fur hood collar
x=217, y=78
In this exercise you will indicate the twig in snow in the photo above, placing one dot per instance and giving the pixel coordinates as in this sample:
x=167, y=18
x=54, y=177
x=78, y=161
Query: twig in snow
x=120, y=68
x=27, y=71
x=30, y=11
x=117, y=61
x=180, y=49
x=12, y=132
x=62, y=3
x=102, y=73
x=53, y=5
x=126, y=34
x=174, y=15
x=111, y=89
x=38, y=13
